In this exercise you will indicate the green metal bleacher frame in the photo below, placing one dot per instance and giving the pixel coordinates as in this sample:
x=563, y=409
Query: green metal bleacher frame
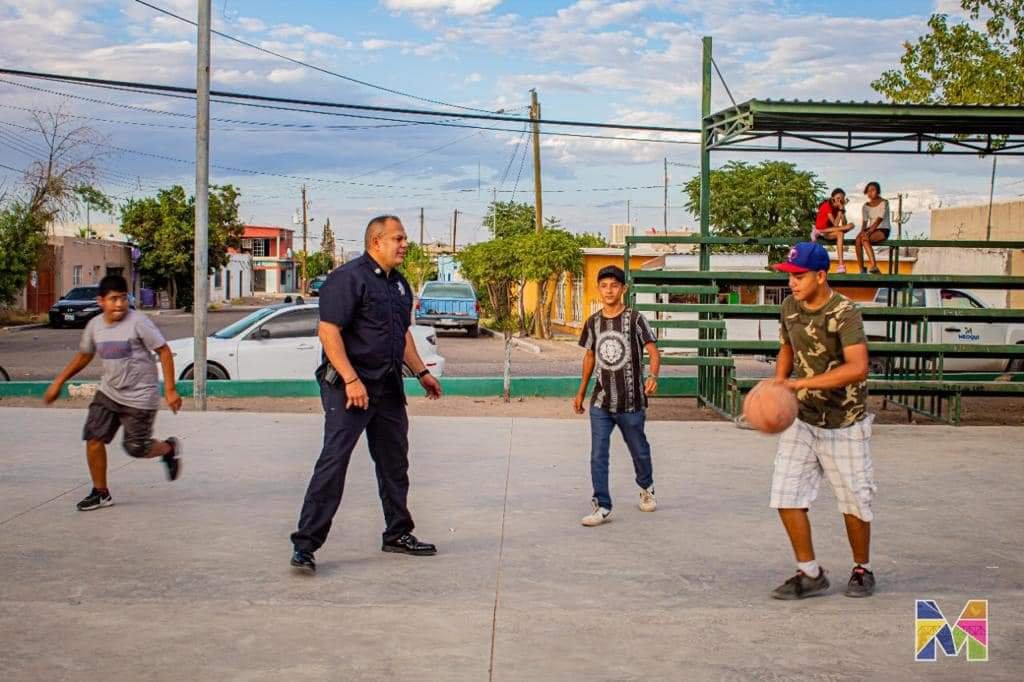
x=913, y=373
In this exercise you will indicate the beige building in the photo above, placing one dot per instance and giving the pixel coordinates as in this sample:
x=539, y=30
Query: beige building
x=971, y=222
x=68, y=262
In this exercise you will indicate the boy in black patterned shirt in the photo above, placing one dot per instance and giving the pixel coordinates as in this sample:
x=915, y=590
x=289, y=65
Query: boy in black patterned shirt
x=615, y=339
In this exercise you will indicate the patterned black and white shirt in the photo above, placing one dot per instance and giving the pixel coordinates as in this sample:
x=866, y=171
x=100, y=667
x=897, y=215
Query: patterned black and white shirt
x=618, y=346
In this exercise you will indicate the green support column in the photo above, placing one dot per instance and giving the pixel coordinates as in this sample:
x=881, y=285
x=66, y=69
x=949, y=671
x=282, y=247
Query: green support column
x=704, y=377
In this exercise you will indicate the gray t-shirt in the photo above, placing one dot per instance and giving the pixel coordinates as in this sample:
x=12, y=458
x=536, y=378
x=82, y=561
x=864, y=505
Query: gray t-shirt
x=126, y=349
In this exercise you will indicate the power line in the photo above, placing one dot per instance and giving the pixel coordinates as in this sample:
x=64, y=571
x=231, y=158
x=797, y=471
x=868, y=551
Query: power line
x=313, y=66
x=174, y=90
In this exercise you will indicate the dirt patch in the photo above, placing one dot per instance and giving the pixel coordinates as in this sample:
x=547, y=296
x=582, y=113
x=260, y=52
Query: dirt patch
x=976, y=411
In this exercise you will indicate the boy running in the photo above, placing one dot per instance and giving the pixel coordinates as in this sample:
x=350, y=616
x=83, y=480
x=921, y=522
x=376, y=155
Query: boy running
x=822, y=335
x=615, y=339
x=128, y=394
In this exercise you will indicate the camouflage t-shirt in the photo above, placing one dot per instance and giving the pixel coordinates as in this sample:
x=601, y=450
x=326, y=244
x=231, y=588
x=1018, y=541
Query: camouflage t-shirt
x=818, y=339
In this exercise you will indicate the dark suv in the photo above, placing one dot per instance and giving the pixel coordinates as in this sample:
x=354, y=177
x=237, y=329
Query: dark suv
x=78, y=306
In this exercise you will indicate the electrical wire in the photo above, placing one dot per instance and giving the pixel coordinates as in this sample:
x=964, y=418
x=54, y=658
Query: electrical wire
x=313, y=66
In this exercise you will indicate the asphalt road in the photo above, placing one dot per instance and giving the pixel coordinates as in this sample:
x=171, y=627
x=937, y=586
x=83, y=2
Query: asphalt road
x=39, y=354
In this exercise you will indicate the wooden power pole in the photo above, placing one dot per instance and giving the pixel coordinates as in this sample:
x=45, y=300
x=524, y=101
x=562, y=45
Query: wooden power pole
x=538, y=323
x=665, y=219
x=421, y=226
x=455, y=229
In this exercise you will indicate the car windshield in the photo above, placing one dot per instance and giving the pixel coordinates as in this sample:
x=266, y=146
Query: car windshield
x=233, y=330
x=448, y=291
x=82, y=294
x=882, y=296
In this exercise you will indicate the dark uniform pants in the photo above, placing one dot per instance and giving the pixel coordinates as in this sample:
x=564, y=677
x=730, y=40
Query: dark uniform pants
x=387, y=428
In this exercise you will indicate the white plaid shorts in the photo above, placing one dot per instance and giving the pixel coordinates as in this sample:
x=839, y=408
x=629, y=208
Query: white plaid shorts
x=807, y=453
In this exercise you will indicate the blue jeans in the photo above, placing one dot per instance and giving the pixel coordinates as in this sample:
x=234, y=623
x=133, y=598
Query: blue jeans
x=631, y=425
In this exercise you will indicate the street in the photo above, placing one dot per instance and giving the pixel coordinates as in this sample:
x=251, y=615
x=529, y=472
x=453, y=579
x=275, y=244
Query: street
x=40, y=353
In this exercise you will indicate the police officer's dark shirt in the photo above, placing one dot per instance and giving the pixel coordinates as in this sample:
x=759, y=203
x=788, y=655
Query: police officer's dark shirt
x=373, y=309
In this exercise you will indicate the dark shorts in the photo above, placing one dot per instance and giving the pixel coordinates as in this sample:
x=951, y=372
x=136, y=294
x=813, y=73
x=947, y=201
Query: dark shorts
x=106, y=417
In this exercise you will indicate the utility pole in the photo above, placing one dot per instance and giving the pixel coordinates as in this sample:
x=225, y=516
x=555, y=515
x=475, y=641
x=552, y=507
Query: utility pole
x=201, y=254
x=538, y=323
x=421, y=226
x=455, y=228
x=665, y=219
x=629, y=216
x=305, y=231
x=899, y=216
x=991, y=193
x=494, y=211
x=537, y=198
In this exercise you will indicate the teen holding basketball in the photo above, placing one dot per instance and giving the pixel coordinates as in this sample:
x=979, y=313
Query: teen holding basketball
x=822, y=336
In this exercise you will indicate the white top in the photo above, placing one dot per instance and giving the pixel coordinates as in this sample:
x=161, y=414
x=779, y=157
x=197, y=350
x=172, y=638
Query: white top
x=872, y=213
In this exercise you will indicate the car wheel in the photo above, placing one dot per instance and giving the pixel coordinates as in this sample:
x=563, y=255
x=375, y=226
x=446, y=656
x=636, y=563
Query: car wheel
x=1015, y=365
x=4, y=376
x=474, y=331
x=55, y=325
x=215, y=372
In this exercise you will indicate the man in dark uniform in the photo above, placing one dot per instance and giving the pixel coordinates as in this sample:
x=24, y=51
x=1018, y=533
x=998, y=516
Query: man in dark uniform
x=365, y=313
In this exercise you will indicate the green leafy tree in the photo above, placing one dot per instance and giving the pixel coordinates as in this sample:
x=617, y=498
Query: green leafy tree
x=327, y=245
x=963, y=63
x=22, y=237
x=494, y=268
x=545, y=256
x=418, y=266
x=506, y=219
x=317, y=264
x=588, y=240
x=163, y=227
x=770, y=199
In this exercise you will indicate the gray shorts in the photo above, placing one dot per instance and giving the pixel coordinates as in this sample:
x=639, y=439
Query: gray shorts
x=106, y=417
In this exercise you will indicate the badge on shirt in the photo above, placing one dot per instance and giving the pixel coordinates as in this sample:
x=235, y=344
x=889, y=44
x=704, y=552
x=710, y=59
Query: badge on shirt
x=401, y=288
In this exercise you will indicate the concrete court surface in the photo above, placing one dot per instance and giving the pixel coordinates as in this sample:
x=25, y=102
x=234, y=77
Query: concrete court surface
x=189, y=580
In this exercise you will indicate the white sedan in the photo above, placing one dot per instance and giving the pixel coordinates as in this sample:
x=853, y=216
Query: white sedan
x=278, y=342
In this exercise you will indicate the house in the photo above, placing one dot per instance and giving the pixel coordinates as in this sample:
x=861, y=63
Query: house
x=273, y=260
x=233, y=280
x=67, y=262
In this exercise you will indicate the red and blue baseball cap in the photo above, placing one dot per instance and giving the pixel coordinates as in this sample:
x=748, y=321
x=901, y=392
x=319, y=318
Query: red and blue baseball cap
x=805, y=257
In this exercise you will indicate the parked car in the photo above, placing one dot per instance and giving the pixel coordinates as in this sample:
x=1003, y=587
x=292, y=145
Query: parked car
x=315, y=284
x=954, y=331
x=449, y=305
x=78, y=306
x=278, y=342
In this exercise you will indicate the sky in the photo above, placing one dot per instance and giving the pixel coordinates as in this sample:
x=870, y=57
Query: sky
x=635, y=61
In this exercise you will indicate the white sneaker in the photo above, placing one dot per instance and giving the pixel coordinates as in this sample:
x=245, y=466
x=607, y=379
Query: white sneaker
x=647, y=501
x=596, y=517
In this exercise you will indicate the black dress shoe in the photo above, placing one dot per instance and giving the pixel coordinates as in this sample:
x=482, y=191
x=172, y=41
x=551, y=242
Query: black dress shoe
x=408, y=544
x=303, y=560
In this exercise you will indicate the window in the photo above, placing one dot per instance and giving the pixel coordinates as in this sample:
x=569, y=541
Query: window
x=560, y=299
x=445, y=290
x=292, y=324
x=899, y=296
x=115, y=271
x=259, y=248
x=76, y=275
x=775, y=295
x=284, y=277
x=958, y=299
x=577, y=298
x=217, y=278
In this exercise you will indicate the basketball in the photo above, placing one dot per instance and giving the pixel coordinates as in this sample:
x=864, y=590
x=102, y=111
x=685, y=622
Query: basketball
x=770, y=407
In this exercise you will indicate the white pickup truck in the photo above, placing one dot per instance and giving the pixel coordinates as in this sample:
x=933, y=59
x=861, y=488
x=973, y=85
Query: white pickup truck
x=964, y=331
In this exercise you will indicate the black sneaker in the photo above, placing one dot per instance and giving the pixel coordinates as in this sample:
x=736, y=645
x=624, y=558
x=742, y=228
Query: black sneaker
x=862, y=583
x=303, y=560
x=801, y=586
x=172, y=460
x=95, y=500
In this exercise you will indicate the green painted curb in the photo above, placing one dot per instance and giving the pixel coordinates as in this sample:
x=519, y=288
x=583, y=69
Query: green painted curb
x=477, y=387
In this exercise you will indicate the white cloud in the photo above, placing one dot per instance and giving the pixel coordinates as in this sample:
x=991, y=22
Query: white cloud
x=456, y=7
x=474, y=77
x=287, y=75
x=374, y=44
x=250, y=24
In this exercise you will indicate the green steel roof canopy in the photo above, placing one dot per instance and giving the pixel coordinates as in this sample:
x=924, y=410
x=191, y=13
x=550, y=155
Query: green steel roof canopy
x=866, y=127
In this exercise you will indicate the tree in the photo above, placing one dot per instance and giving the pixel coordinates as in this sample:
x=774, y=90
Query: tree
x=317, y=264
x=961, y=63
x=68, y=162
x=327, y=246
x=545, y=256
x=587, y=240
x=418, y=267
x=163, y=227
x=507, y=219
x=493, y=267
x=22, y=237
x=771, y=199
